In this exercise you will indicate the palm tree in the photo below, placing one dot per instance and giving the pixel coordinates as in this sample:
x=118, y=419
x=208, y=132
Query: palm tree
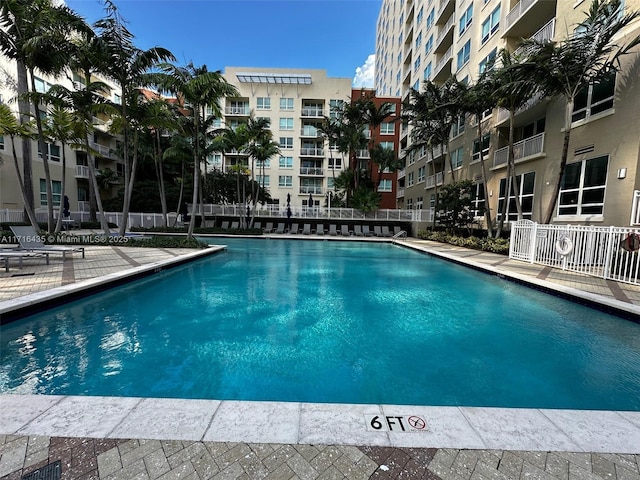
x=199, y=89
x=128, y=65
x=35, y=33
x=588, y=56
x=11, y=128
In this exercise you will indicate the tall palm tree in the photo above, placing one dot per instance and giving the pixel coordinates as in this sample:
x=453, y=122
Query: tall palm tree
x=12, y=129
x=198, y=89
x=128, y=65
x=566, y=68
x=36, y=34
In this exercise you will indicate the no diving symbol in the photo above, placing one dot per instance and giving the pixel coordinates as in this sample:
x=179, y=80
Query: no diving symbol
x=417, y=423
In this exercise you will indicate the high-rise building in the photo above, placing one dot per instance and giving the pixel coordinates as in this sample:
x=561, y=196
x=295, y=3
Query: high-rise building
x=420, y=40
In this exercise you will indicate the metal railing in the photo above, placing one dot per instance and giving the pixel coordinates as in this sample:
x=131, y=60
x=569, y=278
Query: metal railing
x=312, y=152
x=585, y=249
x=312, y=112
x=237, y=111
x=522, y=149
x=311, y=171
x=444, y=31
x=433, y=180
x=547, y=32
x=443, y=61
x=82, y=171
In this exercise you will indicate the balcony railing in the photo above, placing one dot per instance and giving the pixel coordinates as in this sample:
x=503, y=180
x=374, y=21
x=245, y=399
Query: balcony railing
x=525, y=148
x=237, y=111
x=436, y=152
x=519, y=10
x=503, y=113
x=443, y=61
x=312, y=152
x=311, y=171
x=545, y=33
x=311, y=189
x=402, y=173
x=82, y=171
x=312, y=112
x=444, y=31
x=434, y=180
x=400, y=193
x=310, y=132
x=102, y=150
x=363, y=154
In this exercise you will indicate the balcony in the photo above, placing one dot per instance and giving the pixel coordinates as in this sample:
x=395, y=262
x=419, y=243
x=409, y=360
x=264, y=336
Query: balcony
x=436, y=152
x=102, y=150
x=311, y=171
x=503, y=114
x=433, y=180
x=236, y=152
x=312, y=112
x=545, y=33
x=310, y=132
x=444, y=40
x=524, y=149
x=441, y=73
x=311, y=189
x=445, y=9
x=400, y=193
x=237, y=111
x=527, y=17
x=363, y=154
x=401, y=173
x=312, y=152
x=100, y=124
x=82, y=171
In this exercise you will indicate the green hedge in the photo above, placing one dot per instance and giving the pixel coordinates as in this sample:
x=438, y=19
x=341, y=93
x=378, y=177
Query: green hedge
x=499, y=245
x=201, y=230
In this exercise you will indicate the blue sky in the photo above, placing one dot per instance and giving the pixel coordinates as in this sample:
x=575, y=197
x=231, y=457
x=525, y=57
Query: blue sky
x=334, y=35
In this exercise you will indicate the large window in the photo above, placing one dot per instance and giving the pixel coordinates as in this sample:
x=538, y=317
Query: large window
x=491, y=24
x=428, y=45
x=285, y=181
x=486, y=141
x=335, y=163
x=464, y=54
x=286, y=124
x=596, y=98
x=42, y=86
x=263, y=180
x=526, y=183
x=458, y=126
x=263, y=103
x=388, y=128
x=477, y=200
x=56, y=188
x=53, y=151
x=286, y=103
x=285, y=162
x=426, y=75
x=465, y=20
x=457, y=156
x=421, y=174
x=583, y=187
x=286, y=143
x=410, y=179
x=488, y=61
x=386, y=145
x=385, y=185
x=430, y=18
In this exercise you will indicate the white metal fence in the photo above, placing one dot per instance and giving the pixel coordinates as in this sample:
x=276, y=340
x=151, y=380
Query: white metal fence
x=605, y=252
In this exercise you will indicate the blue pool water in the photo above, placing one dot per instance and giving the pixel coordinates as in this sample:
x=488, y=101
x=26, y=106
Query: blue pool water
x=326, y=321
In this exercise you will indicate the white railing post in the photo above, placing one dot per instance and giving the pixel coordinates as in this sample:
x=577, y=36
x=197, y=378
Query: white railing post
x=533, y=238
x=609, y=254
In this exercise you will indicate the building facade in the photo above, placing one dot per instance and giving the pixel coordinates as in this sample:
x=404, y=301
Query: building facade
x=420, y=40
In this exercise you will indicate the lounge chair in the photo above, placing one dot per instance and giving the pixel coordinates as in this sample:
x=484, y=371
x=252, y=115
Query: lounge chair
x=386, y=232
x=225, y=225
x=377, y=231
x=280, y=228
x=366, y=231
x=396, y=230
x=268, y=228
x=30, y=241
x=6, y=255
x=294, y=229
x=357, y=230
x=257, y=225
x=344, y=230
x=332, y=230
x=320, y=229
x=235, y=225
x=306, y=230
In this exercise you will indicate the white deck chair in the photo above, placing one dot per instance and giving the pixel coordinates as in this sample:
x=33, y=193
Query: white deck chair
x=30, y=241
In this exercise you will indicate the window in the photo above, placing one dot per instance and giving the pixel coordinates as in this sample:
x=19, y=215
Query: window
x=265, y=119
x=418, y=41
x=335, y=163
x=410, y=179
x=421, y=173
x=264, y=163
x=286, y=124
x=596, y=98
x=416, y=63
x=285, y=162
x=286, y=143
x=330, y=183
x=334, y=107
x=583, y=187
x=215, y=160
x=431, y=18
x=419, y=203
x=53, y=151
x=386, y=145
x=457, y=156
x=488, y=61
x=263, y=180
x=465, y=20
x=117, y=99
x=388, y=128
x=416, y=85
x=428, y=46
x=385, y=185
x=392, y=109
x=458, y=126
x=525, y=185
x=477, y=200
x=42, y=86
x=263, y=103
x=1, y=142
x=491, y=24
x=56, y=189
x=419, y=16
x=486, y=140
x=285, y=181
x=427, y=72
x=286, y=103
x=464, y=54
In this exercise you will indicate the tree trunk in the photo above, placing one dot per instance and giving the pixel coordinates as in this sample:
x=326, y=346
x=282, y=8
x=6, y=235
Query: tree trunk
x=196, y=173
x=94, y=182
x=512, y=164
x=23, y=190
x=128, y=186
x=63, y=186
x=563, y=163
x=24, y=109
x=160, y=175
x=487, y=208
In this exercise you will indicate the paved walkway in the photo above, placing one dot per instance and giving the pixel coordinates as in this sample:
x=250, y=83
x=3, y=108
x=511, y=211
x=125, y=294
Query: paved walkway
x=43, y=441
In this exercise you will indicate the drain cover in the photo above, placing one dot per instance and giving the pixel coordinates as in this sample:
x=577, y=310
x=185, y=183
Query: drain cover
x=48, y=472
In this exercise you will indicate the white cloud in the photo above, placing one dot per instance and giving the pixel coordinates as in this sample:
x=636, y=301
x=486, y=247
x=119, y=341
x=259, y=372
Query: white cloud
x=365, y=74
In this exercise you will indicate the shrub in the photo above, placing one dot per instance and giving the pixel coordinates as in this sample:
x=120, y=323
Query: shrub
x=494, y=245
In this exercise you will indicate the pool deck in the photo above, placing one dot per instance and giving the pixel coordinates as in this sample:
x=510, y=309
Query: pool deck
x=125, y=438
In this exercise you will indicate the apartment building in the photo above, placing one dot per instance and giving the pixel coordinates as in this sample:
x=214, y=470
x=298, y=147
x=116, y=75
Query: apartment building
x=419, y=40
x=77, y=170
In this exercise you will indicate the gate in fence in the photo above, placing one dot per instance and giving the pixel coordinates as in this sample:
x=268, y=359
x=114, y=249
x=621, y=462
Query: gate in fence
x=606, y=252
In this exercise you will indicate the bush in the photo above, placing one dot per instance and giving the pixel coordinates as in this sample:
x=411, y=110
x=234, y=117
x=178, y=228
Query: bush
x=494, y=245
x=203, y=230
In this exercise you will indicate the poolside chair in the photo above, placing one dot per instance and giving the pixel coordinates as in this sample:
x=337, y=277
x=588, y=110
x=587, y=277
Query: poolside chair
x=385, y=231
x=377, y=231
x=6, y=255
x=30, y=241
x=306, y=230
x=235, y=225
x=366, y=231
x=320, y=229
x=294, y=229
x=268, y=228
x=357, y=230
x=396, y=230
x=344, y=230
x=280, y=228
x=225, y=225
x=257, y=225
x=332, y=230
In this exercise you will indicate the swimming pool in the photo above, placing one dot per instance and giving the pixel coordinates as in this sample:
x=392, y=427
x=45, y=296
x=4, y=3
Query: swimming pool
x=325, y=321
